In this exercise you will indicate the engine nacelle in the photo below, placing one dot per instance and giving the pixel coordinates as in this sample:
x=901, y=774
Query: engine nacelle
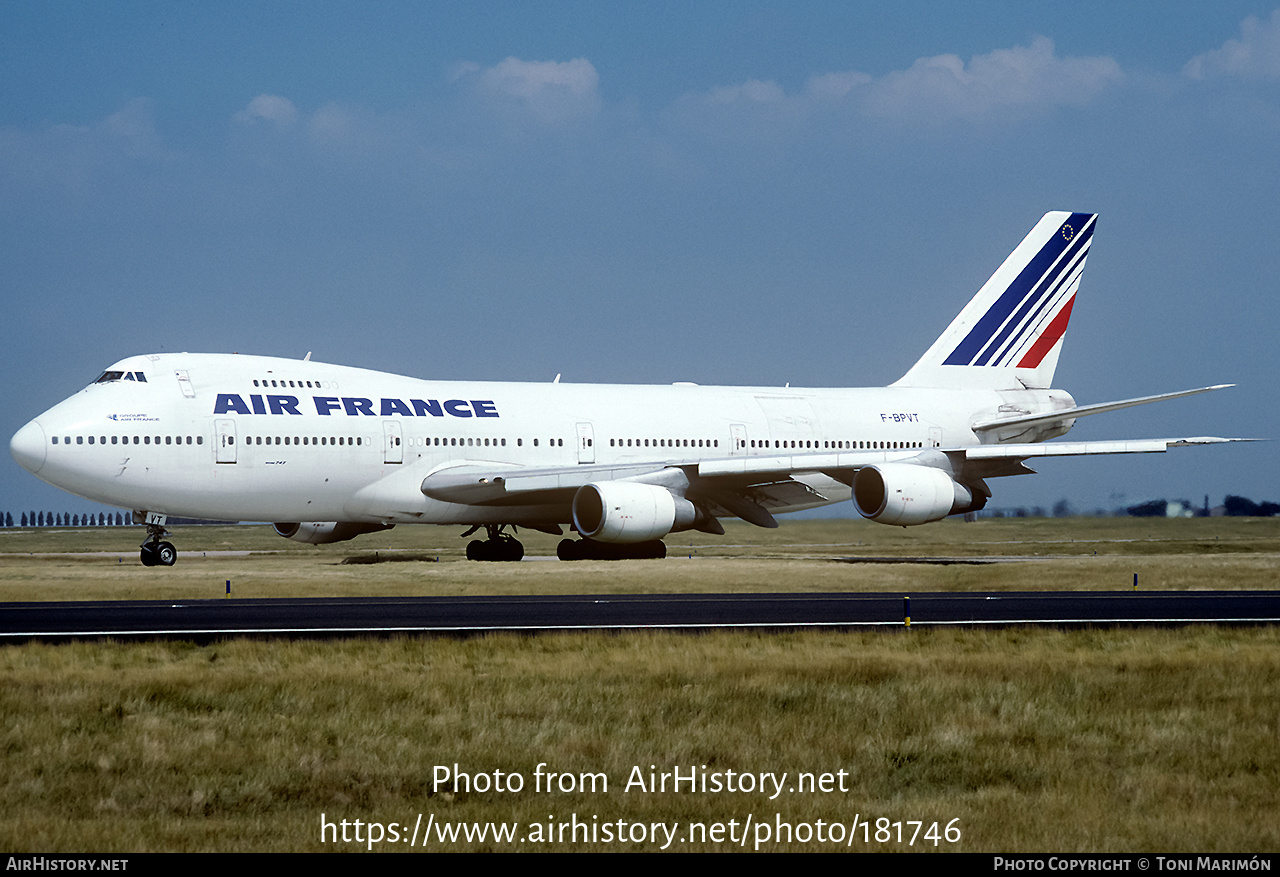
x=324, y=532
x=905, y=494
x=624, y=511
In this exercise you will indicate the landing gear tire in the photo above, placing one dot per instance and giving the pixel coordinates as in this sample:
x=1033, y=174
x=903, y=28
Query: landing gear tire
x=158, y=554
x=509, y=549
x=589, y=549
x=166, y=554
x=498, y=547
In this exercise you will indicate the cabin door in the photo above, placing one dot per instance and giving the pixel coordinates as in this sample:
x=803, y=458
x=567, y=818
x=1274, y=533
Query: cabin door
x=392, y=445
x=586, y=443
x=225, y=428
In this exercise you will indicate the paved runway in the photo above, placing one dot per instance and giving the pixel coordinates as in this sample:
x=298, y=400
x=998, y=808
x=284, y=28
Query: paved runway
x=211, y=619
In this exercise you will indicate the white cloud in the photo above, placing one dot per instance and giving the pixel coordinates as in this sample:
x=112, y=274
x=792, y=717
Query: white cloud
x=753, y=90
x=943, y=87
x=551, y=91
x=354, y=132
x=133, y=128
x=269, y=108
x=1030, y=77
x=833, y=86
x=1256, y=55
x=74, y=155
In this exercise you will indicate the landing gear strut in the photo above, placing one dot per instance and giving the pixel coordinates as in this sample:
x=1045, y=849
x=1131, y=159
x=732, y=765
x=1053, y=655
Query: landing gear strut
x=154, y=551
x=499, y=546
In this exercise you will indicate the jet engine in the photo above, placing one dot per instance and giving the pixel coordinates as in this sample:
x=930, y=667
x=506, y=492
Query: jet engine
x=324, y=532
x=905, y=494
x=625, y=511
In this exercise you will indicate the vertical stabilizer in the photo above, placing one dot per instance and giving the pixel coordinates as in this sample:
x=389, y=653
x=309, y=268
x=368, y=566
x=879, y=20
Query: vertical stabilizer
x=1009, y=335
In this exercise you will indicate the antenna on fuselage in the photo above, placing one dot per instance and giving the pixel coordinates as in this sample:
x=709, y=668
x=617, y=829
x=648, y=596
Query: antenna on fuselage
x=307, y=358
x=557, y=380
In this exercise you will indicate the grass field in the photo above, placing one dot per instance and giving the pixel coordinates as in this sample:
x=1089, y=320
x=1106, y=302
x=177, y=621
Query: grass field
x=1030, y=739
x=1071, y=554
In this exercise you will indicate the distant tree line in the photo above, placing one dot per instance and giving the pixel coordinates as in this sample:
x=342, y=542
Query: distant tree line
x=1232, y=506
x=1239, y=505
x=66, y=519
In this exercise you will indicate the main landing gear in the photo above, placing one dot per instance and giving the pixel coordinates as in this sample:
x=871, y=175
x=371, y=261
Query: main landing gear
x=154, y=551
x=589, y=549
x=499, y=546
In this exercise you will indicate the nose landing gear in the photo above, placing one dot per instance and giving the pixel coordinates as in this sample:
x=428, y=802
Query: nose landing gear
x=156, y=552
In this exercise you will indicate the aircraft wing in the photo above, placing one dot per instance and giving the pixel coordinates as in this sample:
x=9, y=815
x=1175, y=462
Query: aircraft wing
x=485, y=483
x=749, y=487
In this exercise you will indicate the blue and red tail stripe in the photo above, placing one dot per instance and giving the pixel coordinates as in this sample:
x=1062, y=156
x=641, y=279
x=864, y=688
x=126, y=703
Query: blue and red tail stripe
x=1041, y=287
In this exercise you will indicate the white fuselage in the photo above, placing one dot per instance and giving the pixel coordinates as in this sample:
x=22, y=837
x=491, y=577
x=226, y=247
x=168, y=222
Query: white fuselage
x=223, y=436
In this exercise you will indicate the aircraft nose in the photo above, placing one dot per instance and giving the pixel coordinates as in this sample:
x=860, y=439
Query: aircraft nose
x=28, y=447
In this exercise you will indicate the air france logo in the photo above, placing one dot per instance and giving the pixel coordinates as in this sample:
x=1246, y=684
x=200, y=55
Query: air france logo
x=355, y=406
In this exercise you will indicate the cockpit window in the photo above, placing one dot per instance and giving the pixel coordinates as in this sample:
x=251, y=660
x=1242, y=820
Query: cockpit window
x=109, y=376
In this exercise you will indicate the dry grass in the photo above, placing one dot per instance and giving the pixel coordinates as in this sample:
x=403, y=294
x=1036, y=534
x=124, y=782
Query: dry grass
x=1035, y=739
x=1166, y=554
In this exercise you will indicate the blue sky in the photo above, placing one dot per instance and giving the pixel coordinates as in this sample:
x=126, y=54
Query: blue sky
x=743, y=193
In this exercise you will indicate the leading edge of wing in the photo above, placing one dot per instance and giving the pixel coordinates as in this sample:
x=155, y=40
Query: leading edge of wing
x=485, y=483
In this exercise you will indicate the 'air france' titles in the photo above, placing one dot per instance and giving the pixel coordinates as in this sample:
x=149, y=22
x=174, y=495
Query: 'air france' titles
x=354, y=406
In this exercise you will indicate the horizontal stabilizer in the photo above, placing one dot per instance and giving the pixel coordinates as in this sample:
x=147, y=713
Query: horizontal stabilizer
x=1083, y=410
x=1082, y=449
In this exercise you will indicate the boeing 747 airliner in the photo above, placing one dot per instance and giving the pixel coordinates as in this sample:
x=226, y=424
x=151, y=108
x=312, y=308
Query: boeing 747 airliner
x=330, y=452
